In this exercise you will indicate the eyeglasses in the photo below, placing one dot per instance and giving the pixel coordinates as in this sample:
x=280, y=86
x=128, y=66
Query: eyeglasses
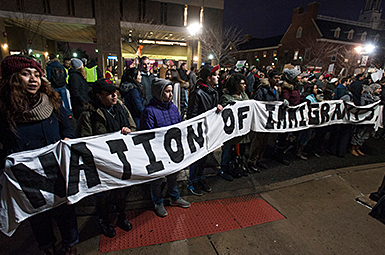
x=243, y=83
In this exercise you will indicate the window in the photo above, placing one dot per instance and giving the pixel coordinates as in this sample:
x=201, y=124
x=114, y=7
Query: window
x=163, y=13
x=285, y=54
x=296, y=55
x=337, y=32
x=363, y=36
x=377, y=38
x=71, y=7
x=274, y=53
x=307, y=54
x=142, y=9
x=264, y=54
x=350, y=34
x=185, y=12
x=20, y=5
x=299, y=32
x=46, y=6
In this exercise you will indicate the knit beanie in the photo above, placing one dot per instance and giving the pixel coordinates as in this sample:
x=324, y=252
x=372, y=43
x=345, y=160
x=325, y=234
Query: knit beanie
x=290, y=74
x=16, y=63
x=76, y=63
x=158, y=86
x=375, y=86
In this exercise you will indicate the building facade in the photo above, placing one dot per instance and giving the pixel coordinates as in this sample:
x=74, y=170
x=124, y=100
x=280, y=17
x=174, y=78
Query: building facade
x=116, y=27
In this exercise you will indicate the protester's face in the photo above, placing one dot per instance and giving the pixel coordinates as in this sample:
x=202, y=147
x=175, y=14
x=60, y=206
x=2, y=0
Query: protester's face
x=66, y=64
x=184, y=67
x=139, y=78
x=262, y=75
x=108, y=99
x=315, y=89
x=213, y=79
x=243, y=86
x=378, y=91
x=275, y=79
x=167, y=94
x=146, y=65
x=30, y=79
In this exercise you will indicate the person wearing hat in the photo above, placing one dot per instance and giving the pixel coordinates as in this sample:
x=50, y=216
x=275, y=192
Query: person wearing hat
x=202, y=98
x=161, y=112
x=105, y=113
x=78, y=87
x=163, y=69
x=32, y=116
x=370, y=95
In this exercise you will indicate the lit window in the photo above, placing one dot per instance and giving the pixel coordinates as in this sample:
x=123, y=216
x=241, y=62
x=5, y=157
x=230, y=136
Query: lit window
x=377, y=38
x=201, y=16
x=337, y=32
x=350, y=34
x=299, y=32
x=296, y=55
x=264, y=54
x=363, y=36
x=185, y=15
x=274, y=53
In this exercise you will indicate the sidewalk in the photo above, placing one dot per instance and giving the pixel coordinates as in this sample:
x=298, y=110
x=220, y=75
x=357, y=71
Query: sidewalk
x=322, y=217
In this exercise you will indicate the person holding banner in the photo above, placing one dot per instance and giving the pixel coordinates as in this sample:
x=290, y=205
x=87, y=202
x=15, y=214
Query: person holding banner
x=31, y=117
x=202, y=98
x=106, y=114
x=161, y=112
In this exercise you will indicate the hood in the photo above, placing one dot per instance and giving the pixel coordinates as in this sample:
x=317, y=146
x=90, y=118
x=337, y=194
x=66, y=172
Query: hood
x=286, y=85
x=54, y=63
x=264, y=82
x=157, y=87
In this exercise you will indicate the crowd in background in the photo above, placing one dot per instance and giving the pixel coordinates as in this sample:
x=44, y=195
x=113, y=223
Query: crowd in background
x=150, y=96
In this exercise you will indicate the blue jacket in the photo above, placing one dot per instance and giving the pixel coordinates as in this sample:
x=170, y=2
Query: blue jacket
x=133, y=101
x=159, y=114
x=34, y=135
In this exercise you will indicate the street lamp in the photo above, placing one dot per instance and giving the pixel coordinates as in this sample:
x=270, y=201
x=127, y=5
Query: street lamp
x=300, y=59
x=75, y=54
x=193, y=30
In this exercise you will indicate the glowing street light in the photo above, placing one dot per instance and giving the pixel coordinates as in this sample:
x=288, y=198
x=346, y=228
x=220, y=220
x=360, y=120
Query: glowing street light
x=359, y=49
x=193, y=30
x=369, y=48
x=75, y=54
x=211, y=56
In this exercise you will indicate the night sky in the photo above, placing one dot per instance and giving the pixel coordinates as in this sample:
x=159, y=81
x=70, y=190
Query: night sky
x=266, y=18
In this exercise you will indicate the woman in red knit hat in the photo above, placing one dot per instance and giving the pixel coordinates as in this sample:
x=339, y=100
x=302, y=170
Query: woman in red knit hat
x=31, y=117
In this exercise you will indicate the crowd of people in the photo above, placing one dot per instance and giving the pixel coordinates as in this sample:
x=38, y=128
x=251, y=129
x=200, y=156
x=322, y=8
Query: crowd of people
x=74, y=100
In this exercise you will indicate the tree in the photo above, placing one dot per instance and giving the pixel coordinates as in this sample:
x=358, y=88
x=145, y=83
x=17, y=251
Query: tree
x=222, y=44
x=138, y=33
x=29, y=28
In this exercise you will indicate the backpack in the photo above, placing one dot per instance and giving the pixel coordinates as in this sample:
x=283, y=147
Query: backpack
x=58, y=77
x=235, y=168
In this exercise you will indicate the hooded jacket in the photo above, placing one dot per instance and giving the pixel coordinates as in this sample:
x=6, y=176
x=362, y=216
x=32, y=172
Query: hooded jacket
x=264, y=92
x=158, y=113
x=290, y=93
x=51, y=64
x=78, y=88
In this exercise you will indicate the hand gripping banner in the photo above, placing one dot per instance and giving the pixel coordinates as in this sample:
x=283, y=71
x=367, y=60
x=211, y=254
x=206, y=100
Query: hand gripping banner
x=67, y=171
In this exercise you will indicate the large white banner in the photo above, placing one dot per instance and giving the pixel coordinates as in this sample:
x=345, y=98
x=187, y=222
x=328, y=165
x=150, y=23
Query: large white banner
x=67, y=171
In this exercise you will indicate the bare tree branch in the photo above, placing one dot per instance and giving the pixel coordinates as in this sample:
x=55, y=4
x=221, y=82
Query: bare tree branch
x=222, y=44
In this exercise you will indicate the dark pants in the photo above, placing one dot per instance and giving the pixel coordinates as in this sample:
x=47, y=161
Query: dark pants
x=196, y=170
x=258, y=146
x=340, y=139
x=156, y=189
x=111, y=201
x=66, y=220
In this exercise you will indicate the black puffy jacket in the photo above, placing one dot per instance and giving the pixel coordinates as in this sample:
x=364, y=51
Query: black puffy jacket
x=78, y=88
x=202, y=99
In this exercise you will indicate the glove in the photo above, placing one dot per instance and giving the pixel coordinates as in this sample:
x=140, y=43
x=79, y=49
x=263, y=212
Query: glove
x=285, y=103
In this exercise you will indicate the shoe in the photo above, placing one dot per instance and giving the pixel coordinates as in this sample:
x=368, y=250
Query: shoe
x=195, y=189
x=204, y=185
x=181, y=203
x=226, y=176
x=124, y=224
x=317, y=155
x=301, y=156
x=253, y=168
x=107, y=230
x=359, y=151
x=160, y=210
x=353, y=151
x=70, y=250
x=262, y=165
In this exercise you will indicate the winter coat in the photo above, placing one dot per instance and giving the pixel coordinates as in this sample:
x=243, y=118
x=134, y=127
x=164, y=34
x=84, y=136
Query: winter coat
x=290, y=93
x=93, y=122
x=37, y=134
x=159, y=114
x=356, y=89
x=183, y=75
x=264, y=92
x=201, y=99
x=162, y=71
x=250, y=82
x=368, y=97
x=193, y=79
x=147, y=79
x=340, y=91
x=133, y=100
x=51, y=65
x=78, y=88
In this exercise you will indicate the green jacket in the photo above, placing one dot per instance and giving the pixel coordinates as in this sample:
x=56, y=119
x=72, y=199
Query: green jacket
x=86, y=128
